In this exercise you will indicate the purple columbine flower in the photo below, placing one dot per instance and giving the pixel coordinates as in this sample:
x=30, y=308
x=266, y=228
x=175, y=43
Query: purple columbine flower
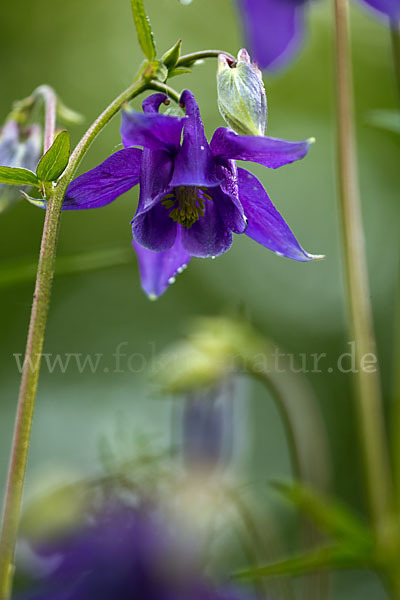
x=192, y=195
x=274, y=29
x=122, y=554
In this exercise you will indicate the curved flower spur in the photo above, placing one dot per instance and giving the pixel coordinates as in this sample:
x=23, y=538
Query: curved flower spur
x=192, y=195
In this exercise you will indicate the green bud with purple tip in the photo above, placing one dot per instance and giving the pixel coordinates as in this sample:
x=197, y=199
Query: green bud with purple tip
x=242, y=100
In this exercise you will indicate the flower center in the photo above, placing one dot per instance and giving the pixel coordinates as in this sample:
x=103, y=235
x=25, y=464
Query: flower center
x=186, y=204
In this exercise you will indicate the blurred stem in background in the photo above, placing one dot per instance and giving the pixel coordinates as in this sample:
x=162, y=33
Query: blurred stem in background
x=368, y=393
x=395, y=32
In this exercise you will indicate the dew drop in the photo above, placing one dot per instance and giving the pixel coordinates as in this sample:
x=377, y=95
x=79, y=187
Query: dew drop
x=202, y=148
x=278, y=253
x=185, y=2
x=213, y=258
x=254, y=188
x=171, y=280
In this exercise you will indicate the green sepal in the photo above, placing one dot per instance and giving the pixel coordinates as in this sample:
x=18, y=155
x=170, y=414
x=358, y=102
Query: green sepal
x=178, y=71
x=54, y=162
x=18, y=176
x=171, y=56
x=143, y=29
x=153, y=70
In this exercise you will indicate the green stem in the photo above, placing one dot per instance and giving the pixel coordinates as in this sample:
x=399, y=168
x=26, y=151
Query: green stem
x=31, y=367
x=369, y=403
x=50, y=103
x=157, y=86
x=396, y=400
x=395, y=34
x=188, y=59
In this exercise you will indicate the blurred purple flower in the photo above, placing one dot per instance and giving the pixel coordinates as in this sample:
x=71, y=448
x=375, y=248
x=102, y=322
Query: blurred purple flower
x=275, y=29
x=122, y=554
x=207, y=423
x=18, y=148
x=192, y=195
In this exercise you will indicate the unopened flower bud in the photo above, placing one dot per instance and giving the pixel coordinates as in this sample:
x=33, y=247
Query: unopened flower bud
x=242, y=100
x=171, y=57
x=19, y=147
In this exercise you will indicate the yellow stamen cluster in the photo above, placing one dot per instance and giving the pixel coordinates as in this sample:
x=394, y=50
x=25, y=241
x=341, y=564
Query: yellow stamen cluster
x=187, y=204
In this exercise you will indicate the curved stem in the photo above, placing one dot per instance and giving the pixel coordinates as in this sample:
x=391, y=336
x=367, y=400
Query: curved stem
x=188, y=59
x=31, y=366
x=369, y=402
x=50, y=103
x=164, y=88
x=396, y=400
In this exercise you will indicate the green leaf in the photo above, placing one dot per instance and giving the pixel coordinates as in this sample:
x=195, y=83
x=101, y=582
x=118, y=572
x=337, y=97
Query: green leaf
x=385, y=119
x=328, y=557
x=53, y=163
x=17, y=176
x=178, y=71
x=332, y=517
x=143, y=29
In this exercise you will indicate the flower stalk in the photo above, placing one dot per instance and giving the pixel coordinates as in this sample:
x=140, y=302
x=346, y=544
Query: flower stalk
x=395, y=34
x=37, y=326
x=368, y=393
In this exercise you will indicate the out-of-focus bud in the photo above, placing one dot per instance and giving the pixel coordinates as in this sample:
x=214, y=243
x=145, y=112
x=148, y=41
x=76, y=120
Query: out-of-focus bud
x=171, y=56
x=19, y=147
x=242, y=100
x=207, y=429
x=215, y=348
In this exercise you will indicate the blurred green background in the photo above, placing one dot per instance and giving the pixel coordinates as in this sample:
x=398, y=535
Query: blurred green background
x=88, y=52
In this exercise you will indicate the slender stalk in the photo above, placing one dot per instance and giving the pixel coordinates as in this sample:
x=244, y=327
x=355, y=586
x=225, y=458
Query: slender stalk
x=157, y=86
x=188, y=59
x=396, y=400
x=369, y=403
x=31, y=367
x=395, y=34
x=50, y=102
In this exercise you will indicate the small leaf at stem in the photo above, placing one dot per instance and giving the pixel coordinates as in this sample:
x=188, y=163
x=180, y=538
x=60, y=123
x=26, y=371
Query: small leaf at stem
x=143, y=29
x=53, y=163
x=178, y=71
x=17, y=176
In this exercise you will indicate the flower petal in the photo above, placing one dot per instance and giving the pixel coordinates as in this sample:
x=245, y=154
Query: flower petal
x=267, y=151
x=209, y=236
x=158, y=269
x=149, y=129
x=266, y=226
x=194, y=164
x=226, y=197
x=154, y=229
x=155, y=175
x=103, y=184
x=274, y=30
x=387, y=8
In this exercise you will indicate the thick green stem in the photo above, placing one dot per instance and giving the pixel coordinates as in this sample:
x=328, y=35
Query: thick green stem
x=370, y=418
x=31, y=367
x=188, y=59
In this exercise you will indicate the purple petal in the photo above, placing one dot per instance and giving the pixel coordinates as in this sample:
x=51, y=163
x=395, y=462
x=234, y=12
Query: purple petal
x=155, y=175
x=388, y=8
x=209, y=236
x=267, y=151
x=158, y=269
x=154, y=229
x=194, y=164
x=274, y=30
x=266, y=225
x=226, y=197
x=149, y=129
x=102, y=185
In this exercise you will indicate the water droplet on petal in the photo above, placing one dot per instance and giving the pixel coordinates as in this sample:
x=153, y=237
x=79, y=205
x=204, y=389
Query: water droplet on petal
x=171, y=280
x=213, y=258
x=202, y=148
x=278, y=253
